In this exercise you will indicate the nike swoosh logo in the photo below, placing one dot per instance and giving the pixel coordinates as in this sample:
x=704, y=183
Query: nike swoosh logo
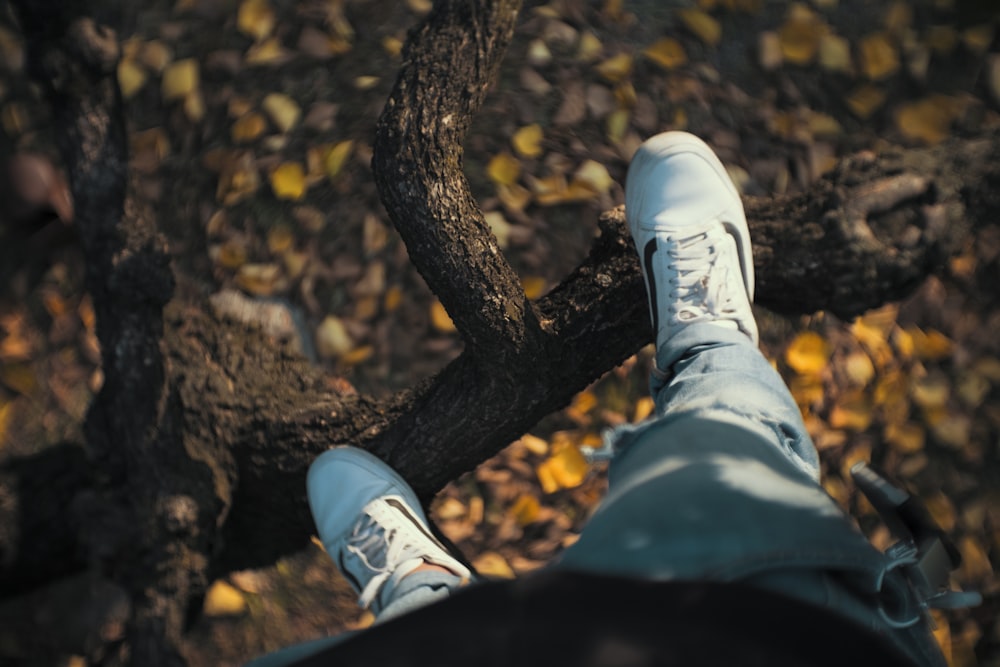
x=647, y=262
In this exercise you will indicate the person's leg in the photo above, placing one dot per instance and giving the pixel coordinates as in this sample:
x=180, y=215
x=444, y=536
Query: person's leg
x=371, y=524
x=723, y=482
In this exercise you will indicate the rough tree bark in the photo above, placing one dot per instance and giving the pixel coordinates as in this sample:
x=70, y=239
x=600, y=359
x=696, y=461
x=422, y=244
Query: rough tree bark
x=198, y=442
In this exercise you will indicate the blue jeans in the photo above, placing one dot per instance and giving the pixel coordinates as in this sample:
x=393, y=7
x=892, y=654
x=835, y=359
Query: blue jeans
x=723, y=484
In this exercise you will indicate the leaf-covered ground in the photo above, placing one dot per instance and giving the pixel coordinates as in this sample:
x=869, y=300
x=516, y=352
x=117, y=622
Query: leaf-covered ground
x=251, y=126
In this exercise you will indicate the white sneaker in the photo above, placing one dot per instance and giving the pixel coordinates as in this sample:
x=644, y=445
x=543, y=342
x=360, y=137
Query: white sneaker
x=371, y=523
x=687, y=221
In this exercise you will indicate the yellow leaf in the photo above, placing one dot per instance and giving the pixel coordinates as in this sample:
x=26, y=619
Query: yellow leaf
x=643, y=408
x=859, y=368
x=617, y=124
x=527, y=141
x=336, y=157
x=255, y=18
x=878, y=55
x=248, y=127
x=928, y=120
x=800, y=35
x=392, y=45
x=179, y=79
x=566, y=464
x=972, y=388
x=366, y=82
x=503, y=169
x=834, y=53
x=907, y=438
x=288, y=181
x=131, y=78
x=615, y=68
x=583, y=402
x=668, y=53
x=223, y=599
x=393, y=298
x=332, y=338
x=808, y=353
x=6, y=416
x=953, y=429
x=232, y=254
x=807, y=390
x=450, y=508
x=268, y=52
x=853, y=412
x=194, y=106
x=932, y=391
x=499, y=226
x=594, y=175
x=545, y=478
x=525, y=509
x=357, y=355
x=930, y=345
x=514, y=197
x=534, y=444
x=589, y=49
x=440, y=319
x=534, y=286
x=283, y=110
x=258, y=279
x=492, y=564
x=864, y=101
x=704, y=27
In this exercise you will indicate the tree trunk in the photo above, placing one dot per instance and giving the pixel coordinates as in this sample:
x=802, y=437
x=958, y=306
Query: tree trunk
x=199, y=441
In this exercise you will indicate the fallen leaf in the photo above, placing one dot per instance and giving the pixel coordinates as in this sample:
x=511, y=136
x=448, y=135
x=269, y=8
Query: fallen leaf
x=931, y=345
x=492, y=564
x=525, y=509
x=335, y=158
x=800, y=35
x=853, y=411
x=668, y=53
x=527, y=141
x=702, y=25
x=283, y=111
x=533, y=286
x=288, y=181
x=594, y=175
x=258, y=279
x=180, y=79
x=280, y=238
x=538, y=53
x=589, y=49
x=440, y=319
x=19, y=377
x=566, y=467
x=248, y=127
x=615, y=68
x=255, y=18
x=808, y=353
x=332, y=338
x=643, y=408
x=859, y=368
x=834, y=53
x=878, y=56
x=928, y=120
x=865, y=100
x=268, y=52
x=906, y=438
x=222, y=599
x=131, y=78
x=534, y=444
x=503, y=169
x=156, y=55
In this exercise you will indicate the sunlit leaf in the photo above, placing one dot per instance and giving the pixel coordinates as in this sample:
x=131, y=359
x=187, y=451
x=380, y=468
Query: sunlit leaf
x=589, y=49
x=769, y=50
x=525, y=509
x=533, y=286
x=268, y=52
x=930, y=345
x=527, y=141
x=859, y=368
x=905, y=438
x=332, y=338
x=255, y=18
x=288, y=181
x=357, y=355
x=615, y=68
x=668, y=53
x=194, y=106
x=704, y=27
x=248, y=127
x=131, y=77
x=878, y=56
x=534, y=444
x=800, y=35
x=643, y=408
x=503, y=169
x=223, y=599
x=853, y=411
x=931, y=391
x=953, y=429
x=595, y=175
x=566, y=466
x=336, y=156
x=492, y=564
x=499, y=226
x=514, y=197
x=807, y=390
x=283, y=110
x=834, y=53
x=440, y=319
x=617, y=125
x=258, y=279
x=180, y=79
x=941, y=509
x=928, y=120
x=808, y=353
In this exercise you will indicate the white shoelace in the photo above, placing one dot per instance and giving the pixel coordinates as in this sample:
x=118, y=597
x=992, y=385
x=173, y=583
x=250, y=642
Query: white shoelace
x=699, y=290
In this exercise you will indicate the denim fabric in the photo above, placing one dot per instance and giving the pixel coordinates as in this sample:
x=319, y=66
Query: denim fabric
x=722, y=484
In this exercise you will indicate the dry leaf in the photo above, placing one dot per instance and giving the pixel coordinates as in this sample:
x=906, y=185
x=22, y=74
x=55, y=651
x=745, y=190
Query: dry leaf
x=643, y=408
x=248, y=127
x=668, y=53
x=704, y=27
x=906, y=438
x=533, y=286
x=223, y=599
x=255, y=18
x=131, y=78
x=534, y=444
x=617, y=125
x=853, y=412
x=6, y=416
x=878, y=55
x=156, y=55
x=931, y=391
x=288, y=181
x=942, y=39
x=859, y=368
x=514, y=197
x=180, y=79
x=589, y=48
x=525, y=509
x=928, y=120
x=19, y=377
x=566, y=467
x=499, y=226
x=492, y=564
x=931, y=345
x=865, y=100
x=615, y=68
x=259, y=279
x=503, y=169
x=594, y=175
x=801, y=34
x=808, y=353
x=280, y=238
x=332, y=338
x=283, y=111
x=268, y=52
x=440, y=319
x=978, y=38
x=336, y=157
x=239, y=178
x=834, y=53
x=527, y=141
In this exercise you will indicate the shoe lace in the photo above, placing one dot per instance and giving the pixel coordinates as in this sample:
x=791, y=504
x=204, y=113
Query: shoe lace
x=699, y=289
x=383, y=546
